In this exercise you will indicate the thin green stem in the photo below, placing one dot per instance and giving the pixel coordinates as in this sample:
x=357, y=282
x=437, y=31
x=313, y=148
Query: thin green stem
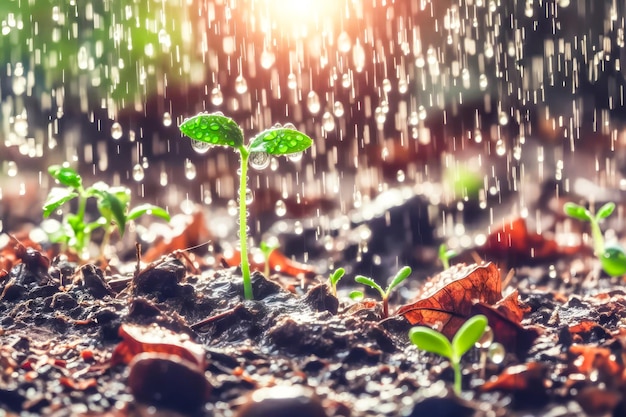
x=598, y=238
x=385, y=306
x=457, y=377
x=243, y=224
x=445, y=261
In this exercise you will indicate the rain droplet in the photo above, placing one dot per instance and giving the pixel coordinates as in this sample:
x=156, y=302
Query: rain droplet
x=292, y=81
x=400, y=176
x=200, y=147
x=483, y=82
x=138, y=173
x=313, y=102
x=11, y=169
x=241, y=85
x=280, y=208
x=486, y=339
x=267, y=59
x=403, y=86
x=217, y=98
x=297, y=228
x=164, y=39
x=496, y=353
x=116, y=131
x=344, y=43
x=232, y=208
x=503, y=118
x=163, y=178
x=273, y=164
x=83, y=58
x=358, y=57
x=386, y=85
x=190, y=170
x=379, y=115
x=167, y=119
x=249, y=196
x=294, y=157
x=328, y=121
x=259, y=160
x=338, y=109
x=421, y=112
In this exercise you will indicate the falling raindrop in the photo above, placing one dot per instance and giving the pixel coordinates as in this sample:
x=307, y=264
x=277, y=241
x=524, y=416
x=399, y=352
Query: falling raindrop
x=116, y=131
x=232, y=208
x=503, y=118
x=83, y=58
x=344, y=43
x=190, y=170
x=298, y=228
x=400, y=176
x=358, y=57
x=328, y=121
x=379, y=115
x=217, y=98
x=295, y=157
x=273, y=164
x=403, y=85
x=164, y=39
x=138, y=173
x=421, y=112
x=11, y=169
x=200, y=147
x=259, y=160
x=338, y=109
x=482, y=82
x=386, y=85
x=292, y=81
x=486, y=339
x=280, y=208
x=241, y=85
x=267, y=59
x=167, y=119
x=496, y=353
x=345, y=81
x=313, y=102
x=163, y=180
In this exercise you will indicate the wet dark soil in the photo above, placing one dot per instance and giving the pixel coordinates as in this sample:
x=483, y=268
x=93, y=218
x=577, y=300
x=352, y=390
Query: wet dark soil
x=173, y=340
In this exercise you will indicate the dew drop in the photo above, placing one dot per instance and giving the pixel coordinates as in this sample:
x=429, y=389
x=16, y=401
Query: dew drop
x=190, y=170
x=328, y=121
x=280, y=208
x=338, y=109
x=241, y=85
x=200, y=147
x=486, y=339
x=496, y=353
x=116, y=131
x=259, y=160
x=313, y=102
x=294, y=157
x=287, y=126
x=344, y=43
x=217, y=98
x=138, y=173
x=249, y=196
x=167, y=119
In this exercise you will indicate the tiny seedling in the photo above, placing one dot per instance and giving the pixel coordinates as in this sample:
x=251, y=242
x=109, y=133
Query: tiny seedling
x=612, y=257
x=402, y=274
x=113, y=204
x=433, y=341
x=266, y=249
x=334, y=278
x=219, y=130
x=445, y=254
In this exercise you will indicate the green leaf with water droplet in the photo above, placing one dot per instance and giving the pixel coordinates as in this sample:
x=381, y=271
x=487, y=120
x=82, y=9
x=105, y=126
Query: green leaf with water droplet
x=65, y=175
x=468, y=334
x=56, y=198
x=148, y=209
x=280, y=141
x=112, y=209
x=214, y=128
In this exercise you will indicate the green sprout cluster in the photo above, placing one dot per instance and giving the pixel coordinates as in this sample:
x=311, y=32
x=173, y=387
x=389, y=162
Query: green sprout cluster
x=219, y=130
x=612, y=257
x=113, y=205
x=433, y=341
x=400, y=276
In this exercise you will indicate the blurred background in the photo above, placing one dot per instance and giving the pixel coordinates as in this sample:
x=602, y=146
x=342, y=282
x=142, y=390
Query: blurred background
x=474, y=107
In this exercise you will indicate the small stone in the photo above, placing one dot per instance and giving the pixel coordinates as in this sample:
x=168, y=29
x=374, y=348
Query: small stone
x=162, y=279
x=93, y=280
x=169, y=381
x=63, y=301
x=282, y=401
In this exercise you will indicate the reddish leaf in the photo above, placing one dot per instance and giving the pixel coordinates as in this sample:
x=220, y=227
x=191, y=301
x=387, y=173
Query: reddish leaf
x=78, y=385
x=448, y=298
x=138, y=339
x=513, y=241
x=528, y=376
x=278, y=263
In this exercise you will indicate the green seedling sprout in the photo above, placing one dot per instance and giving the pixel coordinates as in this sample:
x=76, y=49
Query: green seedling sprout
x=612, y=257
x=402, y=274
x=445, y=254
x=266, y=249
x=113, y=204
x=334, y=278
x=219, y=130
x=433, y=341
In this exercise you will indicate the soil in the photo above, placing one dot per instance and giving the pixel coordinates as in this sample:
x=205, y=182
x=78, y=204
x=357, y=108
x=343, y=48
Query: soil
x=175, y=337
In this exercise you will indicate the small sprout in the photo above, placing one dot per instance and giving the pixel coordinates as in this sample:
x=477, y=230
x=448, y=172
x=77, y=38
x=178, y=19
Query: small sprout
x=267, y=248
x=445, y=254
x=433, y=341
x=334, y=278
x=612, y=257
x=113, y=204
x=217, y=129
x=402, y=274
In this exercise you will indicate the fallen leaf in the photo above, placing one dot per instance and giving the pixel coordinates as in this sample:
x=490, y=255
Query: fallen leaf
x=518, y=378
x=138, y=339
x=278, y=262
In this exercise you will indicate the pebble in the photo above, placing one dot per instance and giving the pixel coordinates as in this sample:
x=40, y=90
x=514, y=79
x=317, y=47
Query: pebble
x=282, y=401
